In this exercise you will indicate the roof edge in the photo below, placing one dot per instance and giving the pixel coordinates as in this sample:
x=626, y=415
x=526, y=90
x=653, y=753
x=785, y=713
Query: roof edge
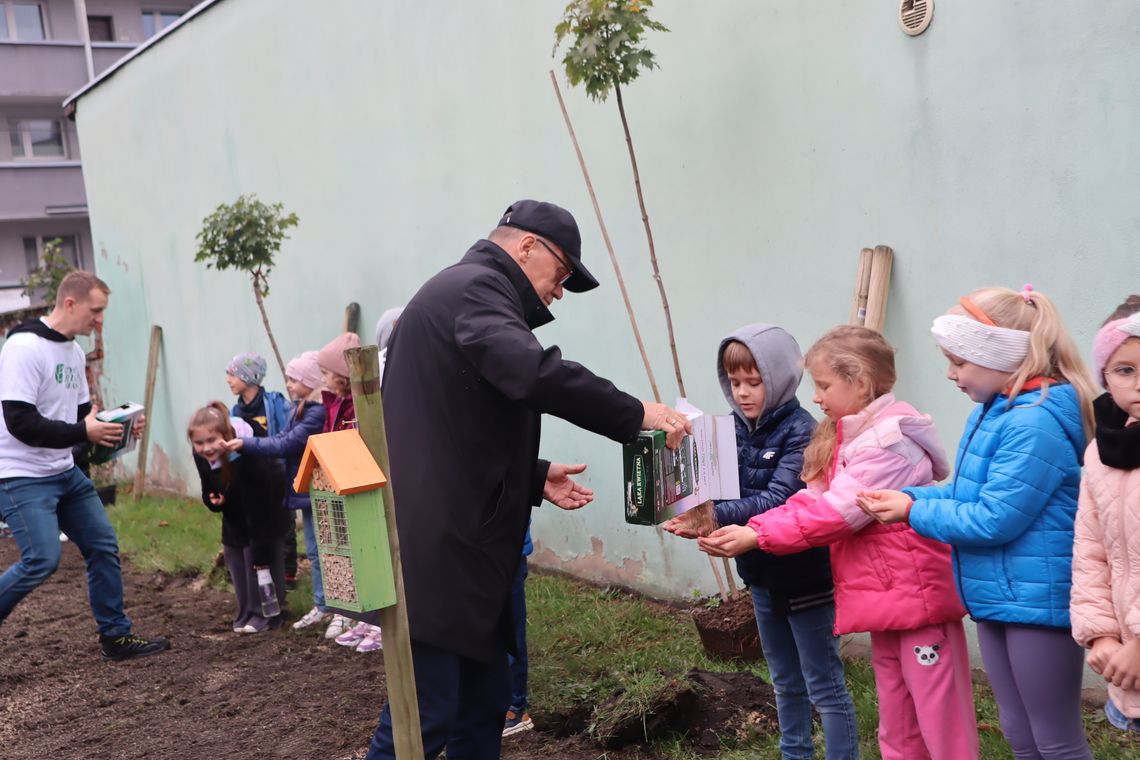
x=70, y=105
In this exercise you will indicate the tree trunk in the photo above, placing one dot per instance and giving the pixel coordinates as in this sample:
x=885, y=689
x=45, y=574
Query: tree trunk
x=649, y=237
x=257, y=277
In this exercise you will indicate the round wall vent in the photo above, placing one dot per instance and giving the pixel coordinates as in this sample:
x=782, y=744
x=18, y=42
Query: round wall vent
x=915, y=15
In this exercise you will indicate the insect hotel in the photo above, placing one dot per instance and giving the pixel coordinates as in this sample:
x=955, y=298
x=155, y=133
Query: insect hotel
x=344, y=482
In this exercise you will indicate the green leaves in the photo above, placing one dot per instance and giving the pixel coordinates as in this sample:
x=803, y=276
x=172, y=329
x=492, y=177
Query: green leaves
x=605, y=46
x=244, y=235
x=46, y=278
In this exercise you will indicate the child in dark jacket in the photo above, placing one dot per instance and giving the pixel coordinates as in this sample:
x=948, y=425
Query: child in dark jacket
x=247, y=492
x=760, y=367
x=266, y=412
x=303, y=381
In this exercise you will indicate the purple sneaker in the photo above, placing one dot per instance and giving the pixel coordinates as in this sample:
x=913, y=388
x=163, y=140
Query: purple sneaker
x=371, y=640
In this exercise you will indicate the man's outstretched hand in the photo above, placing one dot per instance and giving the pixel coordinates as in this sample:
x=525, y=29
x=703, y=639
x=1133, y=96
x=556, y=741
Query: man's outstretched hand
x=562, y=491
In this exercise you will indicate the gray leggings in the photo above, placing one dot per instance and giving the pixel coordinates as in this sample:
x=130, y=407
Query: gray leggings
x=1036, y=676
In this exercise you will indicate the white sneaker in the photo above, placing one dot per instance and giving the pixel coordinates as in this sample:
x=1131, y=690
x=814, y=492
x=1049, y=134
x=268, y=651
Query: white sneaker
x=62, y=537
x=339, y=625
x=312, y=617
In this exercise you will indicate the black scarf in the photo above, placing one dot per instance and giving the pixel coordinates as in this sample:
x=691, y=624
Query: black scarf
x=1119, y=446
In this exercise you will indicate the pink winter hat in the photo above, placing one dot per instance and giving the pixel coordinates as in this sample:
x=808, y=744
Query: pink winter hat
x=331, y=357
x=1111, y=337
x=305, y=370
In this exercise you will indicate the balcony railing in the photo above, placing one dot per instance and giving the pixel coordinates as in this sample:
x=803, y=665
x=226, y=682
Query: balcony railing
x=52, y=67
x=40, y=190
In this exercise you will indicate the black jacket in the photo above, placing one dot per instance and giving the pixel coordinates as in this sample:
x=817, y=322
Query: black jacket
x=251, y=514
x=465, y=383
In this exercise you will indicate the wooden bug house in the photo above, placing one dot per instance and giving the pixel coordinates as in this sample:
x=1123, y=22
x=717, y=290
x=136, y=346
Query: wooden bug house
x=344, y=482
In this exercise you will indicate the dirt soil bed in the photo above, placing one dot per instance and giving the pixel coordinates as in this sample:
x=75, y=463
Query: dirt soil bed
x=219, y=694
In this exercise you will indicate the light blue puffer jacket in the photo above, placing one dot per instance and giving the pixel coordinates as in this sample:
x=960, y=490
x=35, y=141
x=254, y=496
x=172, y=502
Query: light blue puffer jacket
x=1009, y=511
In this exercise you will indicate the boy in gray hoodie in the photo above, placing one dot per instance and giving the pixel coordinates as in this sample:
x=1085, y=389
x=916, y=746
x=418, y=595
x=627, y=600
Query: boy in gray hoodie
x=760, y=367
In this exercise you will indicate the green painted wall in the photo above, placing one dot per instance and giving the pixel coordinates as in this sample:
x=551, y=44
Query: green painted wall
x=775, y=140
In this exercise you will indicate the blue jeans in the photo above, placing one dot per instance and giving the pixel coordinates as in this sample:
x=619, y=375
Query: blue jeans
x=462, y=703
x=314, y=555
x=1119, y=719
x=37, y=509
x=519, y=664
x=803, y=660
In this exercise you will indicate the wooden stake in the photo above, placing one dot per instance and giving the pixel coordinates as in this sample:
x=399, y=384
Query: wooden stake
x=606, y=238
x=862, y=284
x=719, y=580
x=352, y=318
x=729, y=579
x=151, y=373
x=879, y=288
x=364, y=377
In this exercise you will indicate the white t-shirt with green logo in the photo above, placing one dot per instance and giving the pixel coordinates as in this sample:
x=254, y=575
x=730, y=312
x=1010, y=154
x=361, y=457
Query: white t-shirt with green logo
x=49, y=375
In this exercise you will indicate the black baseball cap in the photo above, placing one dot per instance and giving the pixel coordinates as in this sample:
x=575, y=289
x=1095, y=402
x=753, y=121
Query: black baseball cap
x=557, y=225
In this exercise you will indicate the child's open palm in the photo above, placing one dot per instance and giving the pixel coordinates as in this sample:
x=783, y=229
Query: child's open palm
x=729, y=541
x=885, y=506
x=217, y=499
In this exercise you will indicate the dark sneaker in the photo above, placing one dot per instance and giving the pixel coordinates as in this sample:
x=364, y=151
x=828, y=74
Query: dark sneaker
x=517, y=722
x=131, y=646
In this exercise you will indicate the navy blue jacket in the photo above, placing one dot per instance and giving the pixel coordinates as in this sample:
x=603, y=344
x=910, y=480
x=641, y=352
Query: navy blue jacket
x=770, y=460
x=289, y=445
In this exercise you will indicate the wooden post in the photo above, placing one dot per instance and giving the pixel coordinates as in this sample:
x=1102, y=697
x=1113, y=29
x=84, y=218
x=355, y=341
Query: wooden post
x=862, y=284
x=151, y=373
x=364, y=376
x=352, y=318
x=879, y=288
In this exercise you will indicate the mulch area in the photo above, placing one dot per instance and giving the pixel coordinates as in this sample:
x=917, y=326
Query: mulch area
x=281, y=694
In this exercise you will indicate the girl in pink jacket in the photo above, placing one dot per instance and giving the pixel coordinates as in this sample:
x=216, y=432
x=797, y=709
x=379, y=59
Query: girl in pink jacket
x=888, y=579
x=1105, y=600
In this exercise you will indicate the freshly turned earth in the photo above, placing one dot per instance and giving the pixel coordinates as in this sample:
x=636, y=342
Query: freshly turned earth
x=273, y=695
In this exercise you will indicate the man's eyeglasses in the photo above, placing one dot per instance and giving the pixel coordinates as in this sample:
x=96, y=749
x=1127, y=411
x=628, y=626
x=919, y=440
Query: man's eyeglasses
x=569, y=270
x=1120, y=376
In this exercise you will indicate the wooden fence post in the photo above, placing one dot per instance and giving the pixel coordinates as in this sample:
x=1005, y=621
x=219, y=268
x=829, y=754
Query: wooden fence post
x=151, y=374
x=364, y=376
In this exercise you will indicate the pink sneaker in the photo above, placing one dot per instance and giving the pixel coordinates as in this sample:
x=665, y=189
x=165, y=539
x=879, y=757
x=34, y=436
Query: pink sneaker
x=353, y=636
x=371, y=640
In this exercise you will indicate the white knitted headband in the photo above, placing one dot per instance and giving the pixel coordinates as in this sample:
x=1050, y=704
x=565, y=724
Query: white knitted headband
x=988, y=346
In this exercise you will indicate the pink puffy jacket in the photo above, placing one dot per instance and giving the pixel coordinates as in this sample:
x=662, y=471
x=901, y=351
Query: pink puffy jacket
x=887, y=577
x=1105, y=599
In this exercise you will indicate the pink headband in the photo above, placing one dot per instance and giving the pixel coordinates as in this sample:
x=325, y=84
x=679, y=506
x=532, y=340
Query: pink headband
x=1111, y=337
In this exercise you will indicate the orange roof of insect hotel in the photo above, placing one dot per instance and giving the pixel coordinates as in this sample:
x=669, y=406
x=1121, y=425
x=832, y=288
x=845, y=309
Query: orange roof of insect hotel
x=344, y=459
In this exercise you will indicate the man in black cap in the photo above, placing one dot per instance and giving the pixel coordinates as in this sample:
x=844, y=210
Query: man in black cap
x=465, y=385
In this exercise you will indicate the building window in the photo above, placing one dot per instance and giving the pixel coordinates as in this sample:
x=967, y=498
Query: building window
x=34, y=250
x=99, y=29
x=155, y=21
x=21, y=21
x=36, y=138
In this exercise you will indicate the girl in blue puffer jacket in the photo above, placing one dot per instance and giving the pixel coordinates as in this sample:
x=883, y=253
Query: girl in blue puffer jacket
x=303, y=381
x=1009, y=511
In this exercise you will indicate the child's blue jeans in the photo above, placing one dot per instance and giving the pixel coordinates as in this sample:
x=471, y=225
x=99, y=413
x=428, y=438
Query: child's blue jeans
x=519, y=663
x=1119, y=719
x=803, y=660
x=313, y=553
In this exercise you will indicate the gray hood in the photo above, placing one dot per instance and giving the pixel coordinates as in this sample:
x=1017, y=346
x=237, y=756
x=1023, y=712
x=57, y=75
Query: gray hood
x=778, y=358
x=385, y=325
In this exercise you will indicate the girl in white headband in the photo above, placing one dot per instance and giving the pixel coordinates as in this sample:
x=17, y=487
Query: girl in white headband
x=1008, y=513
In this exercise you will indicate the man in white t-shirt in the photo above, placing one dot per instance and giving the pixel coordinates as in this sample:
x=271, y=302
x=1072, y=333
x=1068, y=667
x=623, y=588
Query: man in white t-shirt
x=47, y=409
